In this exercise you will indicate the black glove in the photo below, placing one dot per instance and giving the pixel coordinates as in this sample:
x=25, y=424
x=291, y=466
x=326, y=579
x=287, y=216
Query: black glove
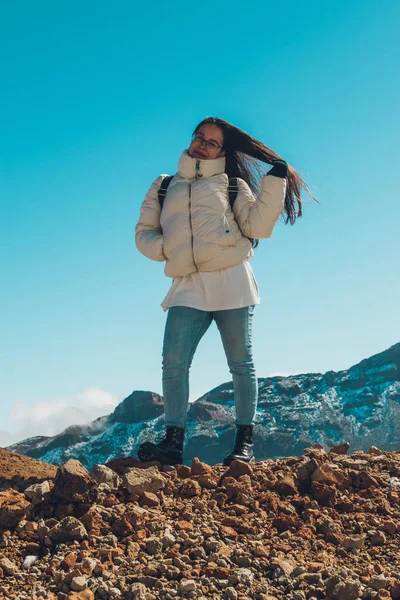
x=279, y=168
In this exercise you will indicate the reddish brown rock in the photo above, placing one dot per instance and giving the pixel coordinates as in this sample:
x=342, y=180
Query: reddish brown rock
x=340, y=448
x=389, y=526
x=284, y=565
x=285, y=522
x=13, y=508
x=241, y=547
x=328, y=474
x=383, y=595
x=122, y=528
x=68, y=530
x=286, y=486
x=68, y=563
x=84, y=595
x=238, y=468
x=72, y=481
x=94, y=523
x=149, y=499
x=190, y=487
x=217, y=572
x=207, y=532
x=205, y=481
x=184, y=526
x=200, y=468
x=363, y=480
x=110, y=500
x=23, y=469
x=324, y=494
x=184, y=471
x=228, y=532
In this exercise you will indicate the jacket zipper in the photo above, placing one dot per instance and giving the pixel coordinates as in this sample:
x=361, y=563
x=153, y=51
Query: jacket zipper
x=190, y=210
x=190, y=221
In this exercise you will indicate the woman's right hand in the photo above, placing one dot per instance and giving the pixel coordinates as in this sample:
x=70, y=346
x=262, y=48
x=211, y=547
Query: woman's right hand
x=279, y=168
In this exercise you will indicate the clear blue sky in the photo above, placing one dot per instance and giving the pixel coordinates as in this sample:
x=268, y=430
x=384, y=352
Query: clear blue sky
x=98, y=99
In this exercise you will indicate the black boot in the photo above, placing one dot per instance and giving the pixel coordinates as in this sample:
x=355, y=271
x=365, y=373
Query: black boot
x=169, y=451
x=243, y=449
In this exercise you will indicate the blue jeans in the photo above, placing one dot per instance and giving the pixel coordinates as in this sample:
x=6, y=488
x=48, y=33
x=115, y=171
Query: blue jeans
x=183, y=331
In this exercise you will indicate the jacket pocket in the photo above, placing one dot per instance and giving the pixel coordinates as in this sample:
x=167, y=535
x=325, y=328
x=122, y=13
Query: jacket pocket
x=228, y=238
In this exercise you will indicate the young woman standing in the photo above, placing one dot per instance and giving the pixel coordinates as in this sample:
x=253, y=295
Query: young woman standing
x=206, y=242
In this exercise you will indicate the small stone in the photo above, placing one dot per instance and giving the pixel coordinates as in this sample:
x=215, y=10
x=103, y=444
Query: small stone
x=184, y=526
x=286, y=566
x=378, y=539
x=8, y=566
x=78, y=584
x=36, y=492
x=238, y=468
x=200, y=468
x=149, y=499
x=67, y=530
x=328, y=474
x=138, y=481
x=340, y=448
x=72, y=481
x=363, y=480
x=68, y=563
x=353, y=542
x=13, y=508
x=394, y=482
x=168, y=539
x=230, y=594
x=103, y=474
x=183, y=471
x=390, y=526
x=190, y=488
x=245, y=576
x=154, y=546
x=348, y=590
x=378, y=582
x=85, y=595
x=188, y=585
x=286, y=486
x=29, y=561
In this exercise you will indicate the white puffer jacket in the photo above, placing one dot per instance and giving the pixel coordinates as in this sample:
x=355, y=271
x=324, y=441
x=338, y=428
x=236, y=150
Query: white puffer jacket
x=197, y=230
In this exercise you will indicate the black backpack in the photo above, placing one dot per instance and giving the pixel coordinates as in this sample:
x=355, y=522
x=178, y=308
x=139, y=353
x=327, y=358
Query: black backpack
x=232, y=191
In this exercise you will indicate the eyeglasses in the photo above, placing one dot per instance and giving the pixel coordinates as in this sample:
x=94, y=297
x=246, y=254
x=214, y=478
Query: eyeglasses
x=212, y=144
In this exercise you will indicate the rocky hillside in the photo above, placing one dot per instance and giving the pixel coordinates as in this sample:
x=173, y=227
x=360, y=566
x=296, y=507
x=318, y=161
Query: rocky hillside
x=324, y=525
x=360, y=405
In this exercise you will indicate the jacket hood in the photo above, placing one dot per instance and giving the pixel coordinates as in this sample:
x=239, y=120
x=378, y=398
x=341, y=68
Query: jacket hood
x=207, y=168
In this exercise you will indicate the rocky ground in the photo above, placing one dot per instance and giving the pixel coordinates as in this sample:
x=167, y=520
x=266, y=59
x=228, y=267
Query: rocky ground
x=325, y=525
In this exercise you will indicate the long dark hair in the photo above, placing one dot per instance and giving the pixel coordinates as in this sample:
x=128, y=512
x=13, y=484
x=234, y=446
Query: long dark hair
x=242, y=152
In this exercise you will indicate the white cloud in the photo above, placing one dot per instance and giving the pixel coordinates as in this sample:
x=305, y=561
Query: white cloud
x=50, y=418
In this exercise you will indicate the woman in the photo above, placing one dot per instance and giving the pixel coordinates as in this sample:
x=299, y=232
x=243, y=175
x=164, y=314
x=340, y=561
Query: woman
x=207, y=244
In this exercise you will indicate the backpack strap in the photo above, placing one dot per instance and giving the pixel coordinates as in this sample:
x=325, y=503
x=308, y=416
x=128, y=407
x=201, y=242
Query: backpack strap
x=232, y=190
x=162, y=191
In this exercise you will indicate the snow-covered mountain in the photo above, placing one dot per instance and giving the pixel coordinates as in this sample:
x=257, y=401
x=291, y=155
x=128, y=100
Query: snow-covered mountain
x=360, y=405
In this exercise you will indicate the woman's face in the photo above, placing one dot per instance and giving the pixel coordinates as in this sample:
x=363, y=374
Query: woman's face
x=207, y=143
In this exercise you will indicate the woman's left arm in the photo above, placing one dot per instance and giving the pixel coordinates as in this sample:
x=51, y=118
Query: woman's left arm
x=257, y=218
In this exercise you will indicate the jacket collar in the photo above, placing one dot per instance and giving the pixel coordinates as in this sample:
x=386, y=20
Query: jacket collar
x=207, y=168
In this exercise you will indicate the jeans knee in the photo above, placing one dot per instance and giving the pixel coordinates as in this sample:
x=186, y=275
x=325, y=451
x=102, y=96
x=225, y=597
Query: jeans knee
x=174, y=364
x=242, y=367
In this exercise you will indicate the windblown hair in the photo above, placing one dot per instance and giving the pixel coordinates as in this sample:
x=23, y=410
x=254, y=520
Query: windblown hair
x=242, y=153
